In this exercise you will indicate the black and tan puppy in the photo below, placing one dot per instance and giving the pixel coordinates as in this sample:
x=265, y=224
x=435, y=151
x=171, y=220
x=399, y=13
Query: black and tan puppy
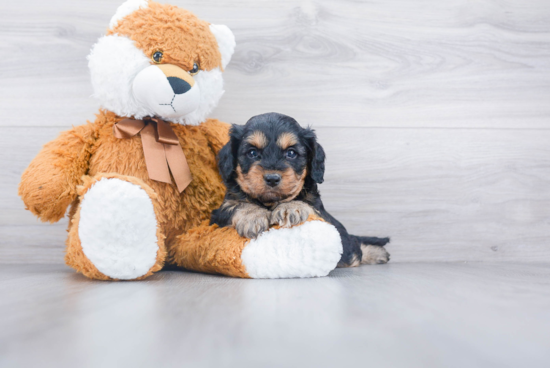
x=271, y=167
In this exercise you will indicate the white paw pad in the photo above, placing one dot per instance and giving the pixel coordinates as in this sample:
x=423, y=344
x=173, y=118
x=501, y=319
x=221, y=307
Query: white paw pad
x=309, y=250
x=118, y=229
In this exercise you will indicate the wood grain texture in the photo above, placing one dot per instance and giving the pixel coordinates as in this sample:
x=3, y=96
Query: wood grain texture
x=395, y=315
x=435, y=115
x=442, y=195
x=379, y=63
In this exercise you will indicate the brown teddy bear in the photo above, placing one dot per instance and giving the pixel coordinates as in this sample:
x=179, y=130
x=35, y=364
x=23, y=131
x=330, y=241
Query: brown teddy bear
x=142, y=180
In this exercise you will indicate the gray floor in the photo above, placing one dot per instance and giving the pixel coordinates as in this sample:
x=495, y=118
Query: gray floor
x=395, y=315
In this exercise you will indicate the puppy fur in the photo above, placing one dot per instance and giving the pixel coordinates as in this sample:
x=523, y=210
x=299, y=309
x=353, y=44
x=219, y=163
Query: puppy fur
x=272, y=167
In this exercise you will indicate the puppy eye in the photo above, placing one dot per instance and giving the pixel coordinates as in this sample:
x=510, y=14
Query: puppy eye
x=157, y=56
x=195, y=69
x=252, y=153
x=291, y=154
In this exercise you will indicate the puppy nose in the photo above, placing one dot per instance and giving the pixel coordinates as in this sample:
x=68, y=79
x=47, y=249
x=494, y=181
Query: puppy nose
x=178, y=85
x=272, y=179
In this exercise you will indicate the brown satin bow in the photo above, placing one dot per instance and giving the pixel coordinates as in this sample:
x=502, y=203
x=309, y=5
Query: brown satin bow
x=161, y=148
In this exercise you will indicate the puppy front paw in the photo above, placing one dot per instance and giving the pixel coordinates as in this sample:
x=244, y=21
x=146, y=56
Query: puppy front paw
x=291, y=213
x=250, y=221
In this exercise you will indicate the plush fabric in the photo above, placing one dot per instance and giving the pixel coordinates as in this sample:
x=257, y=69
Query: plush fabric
x=75, y=255
x=114, y=63
x=141, y=28
x=118, y=228
x=289, y=252
x=226, y=41
x=49, y=185
x=122, y=224
x=184, y=38
x=127, y=8
x=210, y=249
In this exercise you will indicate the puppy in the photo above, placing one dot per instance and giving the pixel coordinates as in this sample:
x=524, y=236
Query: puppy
x=271, y=167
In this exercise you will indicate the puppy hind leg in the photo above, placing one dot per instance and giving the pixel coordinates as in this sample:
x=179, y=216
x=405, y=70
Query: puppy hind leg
x=352, y=254
x=372, y=240
x=374, y=254
x=372, y=249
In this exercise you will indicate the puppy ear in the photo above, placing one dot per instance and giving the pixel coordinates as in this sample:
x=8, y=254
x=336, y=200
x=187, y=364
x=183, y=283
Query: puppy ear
x=318, y=164
x=227, y=157
x=316, y=156
x=225, y=162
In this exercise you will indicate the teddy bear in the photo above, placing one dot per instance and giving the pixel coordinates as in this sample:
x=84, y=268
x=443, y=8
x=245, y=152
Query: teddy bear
x=141, y=181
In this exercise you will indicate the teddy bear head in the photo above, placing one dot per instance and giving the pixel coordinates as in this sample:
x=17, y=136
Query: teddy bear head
x=160, y=60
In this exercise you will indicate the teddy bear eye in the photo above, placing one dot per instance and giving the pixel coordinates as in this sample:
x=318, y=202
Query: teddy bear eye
x=157, y=56
x=195, y=69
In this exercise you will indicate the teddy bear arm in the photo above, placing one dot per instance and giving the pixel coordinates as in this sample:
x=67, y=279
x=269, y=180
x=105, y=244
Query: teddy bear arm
x=48, y=185
x=216, y=132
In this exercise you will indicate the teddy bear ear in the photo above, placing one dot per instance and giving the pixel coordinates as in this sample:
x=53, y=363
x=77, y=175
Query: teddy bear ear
x=127, y=8
x=226, y=41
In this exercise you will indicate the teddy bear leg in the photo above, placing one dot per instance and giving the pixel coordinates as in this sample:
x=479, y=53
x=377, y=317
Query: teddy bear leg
x=114, y=232
x=311, y=249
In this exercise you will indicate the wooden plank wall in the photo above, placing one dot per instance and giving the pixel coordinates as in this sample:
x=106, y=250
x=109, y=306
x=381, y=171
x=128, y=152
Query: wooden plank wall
x=435, y=115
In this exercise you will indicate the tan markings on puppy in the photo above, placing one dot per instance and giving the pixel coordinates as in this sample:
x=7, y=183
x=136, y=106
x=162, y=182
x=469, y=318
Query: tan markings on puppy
x=252, y=183
x=310, y=197
x=291, y=213
x=374, y=254
x=286, y=140
x=355, y=262
x=250, y=220
x=291, y=184
x=229, y=205
x=257, y=139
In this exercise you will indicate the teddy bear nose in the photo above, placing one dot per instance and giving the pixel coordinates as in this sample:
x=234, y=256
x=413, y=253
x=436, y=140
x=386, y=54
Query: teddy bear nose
x=178, y=85
x=272, y=179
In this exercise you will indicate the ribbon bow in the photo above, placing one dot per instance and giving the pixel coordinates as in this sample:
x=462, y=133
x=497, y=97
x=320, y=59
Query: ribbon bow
x=161, y=148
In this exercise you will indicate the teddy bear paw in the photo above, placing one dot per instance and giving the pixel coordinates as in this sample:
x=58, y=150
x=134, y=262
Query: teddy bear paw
x=309, y=250
x=118, y=229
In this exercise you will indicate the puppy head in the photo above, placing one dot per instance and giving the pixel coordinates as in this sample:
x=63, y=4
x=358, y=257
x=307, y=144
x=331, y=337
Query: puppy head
x=271, y=158
x=160, y=60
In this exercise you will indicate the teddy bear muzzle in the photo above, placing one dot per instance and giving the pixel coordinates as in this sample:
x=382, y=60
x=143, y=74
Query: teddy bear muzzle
x=166, y=90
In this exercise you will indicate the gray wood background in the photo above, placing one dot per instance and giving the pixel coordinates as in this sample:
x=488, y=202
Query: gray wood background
x=435, y=115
